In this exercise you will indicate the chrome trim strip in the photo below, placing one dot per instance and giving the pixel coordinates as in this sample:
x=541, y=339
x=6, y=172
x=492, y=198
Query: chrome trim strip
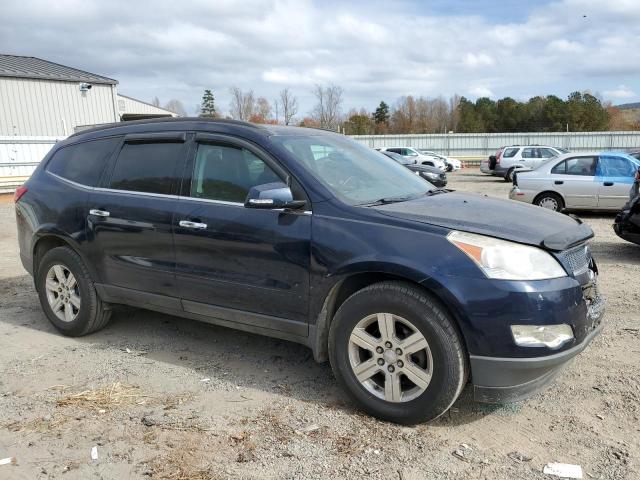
x=163, y=195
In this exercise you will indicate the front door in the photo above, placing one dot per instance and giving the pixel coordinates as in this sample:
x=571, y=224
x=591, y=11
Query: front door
x=130, y=225
x=574, y=178
x=240, y=264
x=614, y=177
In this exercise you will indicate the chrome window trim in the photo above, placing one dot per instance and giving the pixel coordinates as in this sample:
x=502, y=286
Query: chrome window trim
x=163, y=195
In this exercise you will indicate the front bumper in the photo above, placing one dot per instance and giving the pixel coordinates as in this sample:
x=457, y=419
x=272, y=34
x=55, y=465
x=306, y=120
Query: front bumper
x=503, y=380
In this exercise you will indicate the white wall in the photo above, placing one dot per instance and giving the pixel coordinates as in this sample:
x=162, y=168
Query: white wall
x=132, y=106
x=52, y=108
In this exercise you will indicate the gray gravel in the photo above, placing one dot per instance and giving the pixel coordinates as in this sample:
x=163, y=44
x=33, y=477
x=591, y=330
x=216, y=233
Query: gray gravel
x=216, y=403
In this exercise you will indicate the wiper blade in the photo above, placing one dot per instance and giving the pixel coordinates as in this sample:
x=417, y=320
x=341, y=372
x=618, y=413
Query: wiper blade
x=436, y=191
x=387, y=200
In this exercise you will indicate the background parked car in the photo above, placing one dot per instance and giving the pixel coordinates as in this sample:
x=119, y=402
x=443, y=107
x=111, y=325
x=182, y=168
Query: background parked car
x=452, y=163
x=418, y=157
x=431, y=174
x=590, y=181
x=509, y=159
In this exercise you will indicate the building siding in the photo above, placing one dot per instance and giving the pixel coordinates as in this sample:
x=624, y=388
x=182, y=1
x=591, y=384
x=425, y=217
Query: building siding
x=31, y=107
x=128, y=105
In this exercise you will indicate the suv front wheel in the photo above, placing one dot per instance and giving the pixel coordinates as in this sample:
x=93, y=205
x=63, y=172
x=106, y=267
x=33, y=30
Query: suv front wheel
x=67, y=294
x=395, y=350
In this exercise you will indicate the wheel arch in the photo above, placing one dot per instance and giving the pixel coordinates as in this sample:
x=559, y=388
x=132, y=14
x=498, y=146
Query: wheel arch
x=564, y=201
x=343, y=289
x=46, y=240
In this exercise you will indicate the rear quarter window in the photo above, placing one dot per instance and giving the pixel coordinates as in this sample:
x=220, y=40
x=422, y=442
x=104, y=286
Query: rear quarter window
x=510, y=152
x=83, y=162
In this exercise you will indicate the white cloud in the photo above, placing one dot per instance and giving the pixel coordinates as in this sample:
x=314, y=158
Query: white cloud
x=481, y=91
x=620, y=93
x=373, y=50
x=479, y=60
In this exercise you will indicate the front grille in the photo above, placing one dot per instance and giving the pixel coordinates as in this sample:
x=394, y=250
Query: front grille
x=577, y=259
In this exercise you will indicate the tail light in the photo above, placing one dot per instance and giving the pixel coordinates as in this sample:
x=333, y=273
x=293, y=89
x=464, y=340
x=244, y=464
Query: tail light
x=20, y=191
x=498, y=155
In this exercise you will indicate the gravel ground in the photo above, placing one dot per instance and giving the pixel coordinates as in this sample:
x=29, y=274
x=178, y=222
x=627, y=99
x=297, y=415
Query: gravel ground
x=164, y=397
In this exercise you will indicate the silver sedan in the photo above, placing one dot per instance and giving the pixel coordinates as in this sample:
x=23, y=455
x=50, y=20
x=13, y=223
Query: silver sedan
x=586, y=180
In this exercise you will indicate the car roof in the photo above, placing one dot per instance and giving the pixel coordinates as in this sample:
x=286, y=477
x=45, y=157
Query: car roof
x=194, y=123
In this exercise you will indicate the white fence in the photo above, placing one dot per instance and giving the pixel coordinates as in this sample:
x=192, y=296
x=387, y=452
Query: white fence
x=481, y=145
x=19, y=156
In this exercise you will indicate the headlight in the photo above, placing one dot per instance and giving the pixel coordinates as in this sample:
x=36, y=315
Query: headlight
x=552, y=336
x=435, y=176
x=506, y=260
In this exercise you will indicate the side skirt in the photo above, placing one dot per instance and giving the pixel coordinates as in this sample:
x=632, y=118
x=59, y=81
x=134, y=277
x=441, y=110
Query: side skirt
x=237, y=319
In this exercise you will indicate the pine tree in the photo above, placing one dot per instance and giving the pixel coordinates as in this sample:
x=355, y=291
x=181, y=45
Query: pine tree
x=381, y=115
x=208, y=107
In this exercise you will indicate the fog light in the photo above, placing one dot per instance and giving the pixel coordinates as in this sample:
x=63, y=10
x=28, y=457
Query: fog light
x=551, y=336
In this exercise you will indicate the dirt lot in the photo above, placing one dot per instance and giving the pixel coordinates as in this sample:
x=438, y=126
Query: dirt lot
x=164, y=397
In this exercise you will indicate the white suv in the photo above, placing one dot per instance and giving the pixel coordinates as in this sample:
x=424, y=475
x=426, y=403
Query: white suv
x=420, y=158
x=509, y=159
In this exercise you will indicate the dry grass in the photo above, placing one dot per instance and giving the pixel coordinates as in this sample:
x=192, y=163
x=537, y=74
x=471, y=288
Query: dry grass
x=107, y=397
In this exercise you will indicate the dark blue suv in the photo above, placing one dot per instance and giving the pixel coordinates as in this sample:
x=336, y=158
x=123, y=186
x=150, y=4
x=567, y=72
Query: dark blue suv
x=408, y=290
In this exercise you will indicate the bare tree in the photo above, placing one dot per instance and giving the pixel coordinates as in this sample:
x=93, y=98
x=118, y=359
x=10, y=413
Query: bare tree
x=155, y=102
x=289, y=104
x=242, y=105
x=327, y=110
x=176, y=107
x=263, y=110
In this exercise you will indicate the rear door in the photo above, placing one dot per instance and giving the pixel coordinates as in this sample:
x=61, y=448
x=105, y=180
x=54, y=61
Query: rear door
x=614, y=177
x=574, y=178
x=131, y=218
x=233, y=261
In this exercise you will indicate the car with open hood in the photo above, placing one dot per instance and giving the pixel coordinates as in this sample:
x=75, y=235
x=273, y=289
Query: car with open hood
x=433, y=175
x=409, y=291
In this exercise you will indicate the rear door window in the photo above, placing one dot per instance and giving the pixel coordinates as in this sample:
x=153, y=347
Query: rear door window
x=530, y=153
x=227, y=173
x=560, y=168
x=585, y=166
x=83, y=162
x=148, y=167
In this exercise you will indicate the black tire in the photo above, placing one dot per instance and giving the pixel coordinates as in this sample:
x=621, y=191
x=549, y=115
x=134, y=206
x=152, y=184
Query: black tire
x=549, y=198
x=449, y=369
x=508, y=177
x=93, y=314
x=449, y=167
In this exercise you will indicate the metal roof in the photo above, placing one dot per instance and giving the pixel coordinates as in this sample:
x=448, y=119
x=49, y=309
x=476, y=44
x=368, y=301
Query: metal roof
x=31, y=67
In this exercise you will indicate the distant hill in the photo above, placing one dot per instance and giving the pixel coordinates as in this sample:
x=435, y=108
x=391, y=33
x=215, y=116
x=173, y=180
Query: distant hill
x=628, y=106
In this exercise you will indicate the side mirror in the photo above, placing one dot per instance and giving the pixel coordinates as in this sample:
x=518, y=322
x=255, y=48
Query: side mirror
x=272, y=196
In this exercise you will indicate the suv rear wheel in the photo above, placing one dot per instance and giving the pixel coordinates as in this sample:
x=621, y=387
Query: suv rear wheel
x=509, y=175
x=67, y=294
x=397, y=354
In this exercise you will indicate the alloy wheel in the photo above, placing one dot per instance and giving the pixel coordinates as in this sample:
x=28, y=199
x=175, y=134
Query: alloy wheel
x=390, y=357
x=63, y=293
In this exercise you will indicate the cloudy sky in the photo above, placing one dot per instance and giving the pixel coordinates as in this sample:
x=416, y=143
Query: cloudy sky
x=375, y=50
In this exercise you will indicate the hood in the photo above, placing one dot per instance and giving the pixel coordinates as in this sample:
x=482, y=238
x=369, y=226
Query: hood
x=424, y=168
x=515, y=221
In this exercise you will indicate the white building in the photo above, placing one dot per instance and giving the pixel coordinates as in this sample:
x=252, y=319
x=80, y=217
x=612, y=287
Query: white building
x=42, y=102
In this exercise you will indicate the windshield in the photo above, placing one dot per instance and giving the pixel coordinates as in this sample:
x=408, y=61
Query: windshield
x=354, y=173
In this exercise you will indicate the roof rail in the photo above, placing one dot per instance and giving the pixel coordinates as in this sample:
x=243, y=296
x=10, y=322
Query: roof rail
x=106, y=126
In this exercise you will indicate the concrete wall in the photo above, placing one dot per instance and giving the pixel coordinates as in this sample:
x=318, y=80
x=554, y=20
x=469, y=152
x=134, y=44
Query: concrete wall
x=31, y=107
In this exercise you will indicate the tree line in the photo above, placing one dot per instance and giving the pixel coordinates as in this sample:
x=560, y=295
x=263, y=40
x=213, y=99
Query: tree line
x=581, y=111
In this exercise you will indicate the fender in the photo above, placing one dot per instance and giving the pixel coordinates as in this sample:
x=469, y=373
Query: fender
x=49, y=230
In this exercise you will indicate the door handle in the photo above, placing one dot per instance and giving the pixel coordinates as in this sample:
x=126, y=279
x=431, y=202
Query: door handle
x=559, y=182
x=608, y=184
x=194, y=225
x=99, y=213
